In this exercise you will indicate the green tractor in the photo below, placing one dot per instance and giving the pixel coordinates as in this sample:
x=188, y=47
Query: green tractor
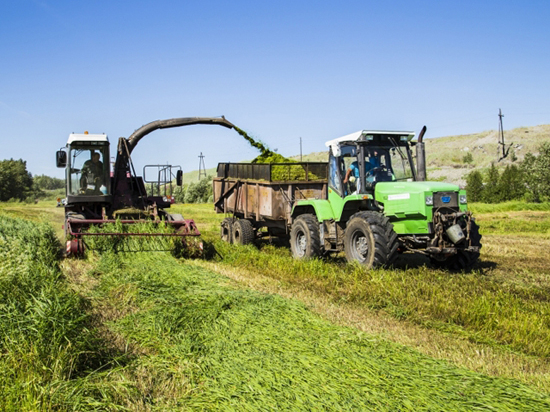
x=378, y=205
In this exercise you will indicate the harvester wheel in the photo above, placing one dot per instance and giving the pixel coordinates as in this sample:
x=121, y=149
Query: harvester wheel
x=75, y=248
x=243, y=232
x=305, y=240
x=370, y=240
x=226, y=231
x=463, y=260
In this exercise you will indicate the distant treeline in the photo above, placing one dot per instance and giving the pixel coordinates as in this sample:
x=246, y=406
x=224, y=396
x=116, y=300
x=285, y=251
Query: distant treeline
x=17, y=183
x=529, y=180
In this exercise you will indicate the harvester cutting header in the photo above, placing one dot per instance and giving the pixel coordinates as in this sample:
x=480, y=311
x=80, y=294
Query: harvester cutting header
x=96, y=195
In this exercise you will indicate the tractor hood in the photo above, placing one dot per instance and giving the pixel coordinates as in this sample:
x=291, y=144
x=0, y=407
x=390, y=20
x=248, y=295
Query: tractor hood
x=396, y=188
x=408, y=199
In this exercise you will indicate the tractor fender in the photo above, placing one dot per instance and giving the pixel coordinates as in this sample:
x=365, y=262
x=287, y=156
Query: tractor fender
x=320, y=208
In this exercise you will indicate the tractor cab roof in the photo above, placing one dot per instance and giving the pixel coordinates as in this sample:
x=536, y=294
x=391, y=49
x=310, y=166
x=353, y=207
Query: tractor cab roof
x=371, y=137
x=87, y=138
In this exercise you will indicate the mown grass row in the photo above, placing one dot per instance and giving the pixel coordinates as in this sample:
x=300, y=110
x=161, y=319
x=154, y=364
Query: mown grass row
x=203, y=343
x=472, y=305
x=49, y=352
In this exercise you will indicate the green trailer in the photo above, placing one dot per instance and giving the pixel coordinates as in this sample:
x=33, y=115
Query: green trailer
x=370, y=201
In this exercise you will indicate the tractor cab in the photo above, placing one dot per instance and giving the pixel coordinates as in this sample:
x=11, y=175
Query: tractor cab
x=358, y=161
x=86, y=163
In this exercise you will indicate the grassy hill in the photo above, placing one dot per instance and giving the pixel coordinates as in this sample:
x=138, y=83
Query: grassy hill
x=445, y=154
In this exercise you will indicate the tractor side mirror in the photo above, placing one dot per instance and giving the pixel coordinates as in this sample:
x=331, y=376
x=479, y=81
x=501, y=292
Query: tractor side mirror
x=61, y=158
x=179, y=178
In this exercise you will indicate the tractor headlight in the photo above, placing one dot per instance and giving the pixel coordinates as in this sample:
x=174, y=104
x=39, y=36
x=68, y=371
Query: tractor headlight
x=429, y=200
x=462, y=199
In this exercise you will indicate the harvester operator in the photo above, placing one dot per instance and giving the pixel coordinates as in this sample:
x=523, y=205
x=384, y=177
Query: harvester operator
x=92, y=173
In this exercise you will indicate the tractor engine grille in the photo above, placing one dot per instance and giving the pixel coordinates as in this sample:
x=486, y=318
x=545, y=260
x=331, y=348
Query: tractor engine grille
x=446, y=199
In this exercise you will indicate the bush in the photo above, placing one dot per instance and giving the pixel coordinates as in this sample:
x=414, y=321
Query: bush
x=468, y=158
x=200, y=192
x=536, y=171
x=491, y=192
x=474, y=185
x=15, y=181
x=511, y=184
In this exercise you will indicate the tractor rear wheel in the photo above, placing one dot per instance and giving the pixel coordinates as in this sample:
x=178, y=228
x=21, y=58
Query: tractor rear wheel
x=226, y=231
x=243, y=232
x=370, y=240
x=305, y=239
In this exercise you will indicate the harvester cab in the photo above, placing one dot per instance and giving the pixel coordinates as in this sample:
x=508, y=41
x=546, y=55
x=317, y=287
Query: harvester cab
x=86, y=163
x=96, y=195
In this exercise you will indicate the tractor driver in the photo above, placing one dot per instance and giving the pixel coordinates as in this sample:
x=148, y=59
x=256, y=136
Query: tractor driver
x=352, y=174
x=92, y=173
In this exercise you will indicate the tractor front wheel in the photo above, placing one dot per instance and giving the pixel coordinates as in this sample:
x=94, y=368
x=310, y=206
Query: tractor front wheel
x=370, y=240
x=305, y=239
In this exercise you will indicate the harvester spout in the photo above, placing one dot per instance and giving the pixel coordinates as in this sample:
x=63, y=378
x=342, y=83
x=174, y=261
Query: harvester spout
x=177, y=122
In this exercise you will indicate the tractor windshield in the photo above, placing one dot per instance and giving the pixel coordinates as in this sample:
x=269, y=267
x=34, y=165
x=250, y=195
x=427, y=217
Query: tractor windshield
x=88, y=169
x=401, y=166
x=377, y=167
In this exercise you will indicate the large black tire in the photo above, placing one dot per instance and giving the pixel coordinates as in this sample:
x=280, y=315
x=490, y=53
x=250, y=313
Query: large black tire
x=370, y=240
x=226, y=230
x=243, y=232
x=305, y=239
x=463, y=261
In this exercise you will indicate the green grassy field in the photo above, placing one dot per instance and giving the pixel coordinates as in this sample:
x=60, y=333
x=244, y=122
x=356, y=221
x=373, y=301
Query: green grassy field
x=252, y=329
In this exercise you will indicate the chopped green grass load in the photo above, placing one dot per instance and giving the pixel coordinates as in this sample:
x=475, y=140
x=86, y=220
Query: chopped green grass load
x=206, y=344
x=279, y=173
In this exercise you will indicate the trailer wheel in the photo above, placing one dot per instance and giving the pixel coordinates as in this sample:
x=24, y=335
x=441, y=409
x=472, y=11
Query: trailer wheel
x=370, y=240
x=226, y=230
x=463, y=260
x=243, y=232
x=305, y=240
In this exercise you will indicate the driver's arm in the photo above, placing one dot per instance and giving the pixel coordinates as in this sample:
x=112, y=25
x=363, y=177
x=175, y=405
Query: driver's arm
x=348, y=172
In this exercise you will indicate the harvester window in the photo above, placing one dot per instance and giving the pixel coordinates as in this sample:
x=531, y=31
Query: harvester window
x=88, y=171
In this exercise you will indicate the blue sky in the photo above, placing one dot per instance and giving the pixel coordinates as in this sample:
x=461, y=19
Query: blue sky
x=279, y=70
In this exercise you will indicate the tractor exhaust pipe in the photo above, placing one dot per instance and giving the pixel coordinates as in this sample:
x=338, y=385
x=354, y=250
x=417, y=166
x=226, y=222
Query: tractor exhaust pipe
x=421, y=157
x=177, y=122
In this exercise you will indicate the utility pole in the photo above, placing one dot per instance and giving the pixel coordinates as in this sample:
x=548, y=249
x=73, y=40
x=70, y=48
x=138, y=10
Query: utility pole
x=202, y=168
x=501, y=138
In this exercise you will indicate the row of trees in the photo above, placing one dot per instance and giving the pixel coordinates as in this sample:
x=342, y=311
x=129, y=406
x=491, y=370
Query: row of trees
x=530, y=180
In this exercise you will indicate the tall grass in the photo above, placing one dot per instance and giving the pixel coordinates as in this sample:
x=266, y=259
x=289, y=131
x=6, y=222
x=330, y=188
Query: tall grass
x=46, y=343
